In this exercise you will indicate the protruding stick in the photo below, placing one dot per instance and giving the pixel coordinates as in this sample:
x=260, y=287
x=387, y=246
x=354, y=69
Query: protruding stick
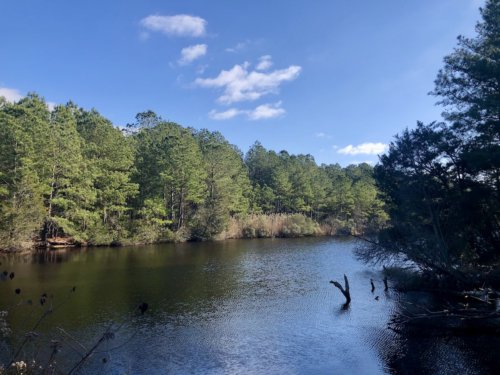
x=343, y=290
x=373, y=285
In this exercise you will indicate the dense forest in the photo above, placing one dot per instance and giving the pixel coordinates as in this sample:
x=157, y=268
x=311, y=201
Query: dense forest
x=441, y=181
x=68, y=176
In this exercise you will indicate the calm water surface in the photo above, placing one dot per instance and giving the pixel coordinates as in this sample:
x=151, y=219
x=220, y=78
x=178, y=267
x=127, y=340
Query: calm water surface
x=233, y=307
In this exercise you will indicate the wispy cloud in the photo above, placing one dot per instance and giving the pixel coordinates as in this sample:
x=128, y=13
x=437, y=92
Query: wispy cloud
x=265, y=62
x=238, y=47
x=239, y=84
x=244, y=45
x=178, y=25
x=201, y=69
x=266, y=111
x=191, y=53
x=225, y=115
x=11, y=95
x=368, y=148
x=261, y=112
x=322, y=135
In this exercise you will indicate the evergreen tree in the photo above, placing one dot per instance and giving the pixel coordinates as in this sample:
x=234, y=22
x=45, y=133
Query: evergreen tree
x=170, y=166
x=109, y=157
x=227, y=184
x=21, y=204
x=261, y=165
x=69, y=173
x=441, y=181
x=69, y=196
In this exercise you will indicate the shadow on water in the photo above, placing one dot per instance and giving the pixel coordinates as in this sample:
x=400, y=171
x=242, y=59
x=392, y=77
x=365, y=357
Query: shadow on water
x=434, y=349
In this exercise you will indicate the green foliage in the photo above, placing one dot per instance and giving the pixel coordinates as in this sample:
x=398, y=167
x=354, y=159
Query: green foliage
x=170, y=168
x=227, y=185
x=69, y=195
x=441, y=181
x=110, y=161
x=298, y=225
x=469, y=89
x=346, y=199
x=70, y=175
x=63, y=173
x=21, y=205
x=152, y=223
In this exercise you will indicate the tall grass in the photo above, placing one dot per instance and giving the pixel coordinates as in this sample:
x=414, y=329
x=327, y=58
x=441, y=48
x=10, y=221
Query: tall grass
x=271, y=225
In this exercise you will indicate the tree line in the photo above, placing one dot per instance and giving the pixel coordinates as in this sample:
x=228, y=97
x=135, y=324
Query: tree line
x=69, y=173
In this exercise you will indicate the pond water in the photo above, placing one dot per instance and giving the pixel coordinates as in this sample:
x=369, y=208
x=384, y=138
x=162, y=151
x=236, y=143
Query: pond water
x=232, y=307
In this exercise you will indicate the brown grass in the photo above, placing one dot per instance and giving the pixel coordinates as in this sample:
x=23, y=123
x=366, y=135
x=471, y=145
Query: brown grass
x=272, y=225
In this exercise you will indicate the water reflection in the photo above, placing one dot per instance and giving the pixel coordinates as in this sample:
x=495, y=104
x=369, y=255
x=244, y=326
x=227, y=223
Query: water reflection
x=428, y=349
x=252, y=307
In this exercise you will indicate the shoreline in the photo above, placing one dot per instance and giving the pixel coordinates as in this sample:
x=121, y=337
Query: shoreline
x=34, y=249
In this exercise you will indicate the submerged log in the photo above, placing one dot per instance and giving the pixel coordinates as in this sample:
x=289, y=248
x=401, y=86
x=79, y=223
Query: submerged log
x=343, y=290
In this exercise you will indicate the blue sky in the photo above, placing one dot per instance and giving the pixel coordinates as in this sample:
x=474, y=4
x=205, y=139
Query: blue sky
x=332, y=78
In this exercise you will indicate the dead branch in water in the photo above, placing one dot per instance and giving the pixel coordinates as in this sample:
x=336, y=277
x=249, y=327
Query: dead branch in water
x=386, y=286
x=343, y=290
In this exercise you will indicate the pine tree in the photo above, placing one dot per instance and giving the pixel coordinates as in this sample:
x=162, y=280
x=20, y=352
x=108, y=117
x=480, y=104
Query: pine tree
x=227, y=184
x=21, y=204
x=109, y=157
x=170, y=166
x=70, y=196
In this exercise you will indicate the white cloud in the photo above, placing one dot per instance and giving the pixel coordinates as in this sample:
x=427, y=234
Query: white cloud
x=265, y=62
x=266, y=111
x=11, y=95
x=191, y=53
x=368, y=148
x=261, y=112
x=225, y=115
x=240, y=84
x=178, y=25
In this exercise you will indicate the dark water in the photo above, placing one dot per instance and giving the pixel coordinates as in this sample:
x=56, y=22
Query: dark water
x=233, y=307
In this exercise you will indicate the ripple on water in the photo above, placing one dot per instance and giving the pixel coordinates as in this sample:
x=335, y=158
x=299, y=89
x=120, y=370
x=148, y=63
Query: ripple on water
x=238, y=307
